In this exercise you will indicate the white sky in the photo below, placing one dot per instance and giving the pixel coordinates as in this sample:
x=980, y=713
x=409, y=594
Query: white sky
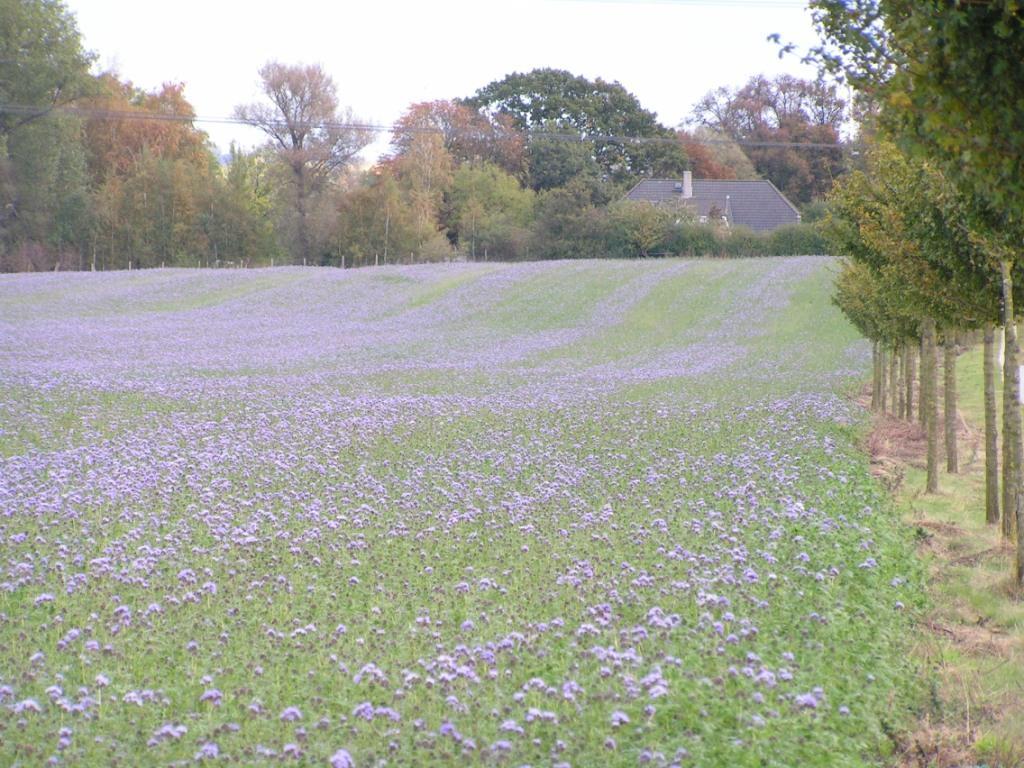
x=385, y=55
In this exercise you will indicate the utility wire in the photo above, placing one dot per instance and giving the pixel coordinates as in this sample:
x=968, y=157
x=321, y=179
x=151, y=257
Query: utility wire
x=96, y=113
x=766, y=4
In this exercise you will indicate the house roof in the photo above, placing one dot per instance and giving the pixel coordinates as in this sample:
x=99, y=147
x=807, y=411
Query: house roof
x=757, y=204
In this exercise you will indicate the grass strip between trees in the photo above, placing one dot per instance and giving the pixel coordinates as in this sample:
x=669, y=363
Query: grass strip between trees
x=972, y=639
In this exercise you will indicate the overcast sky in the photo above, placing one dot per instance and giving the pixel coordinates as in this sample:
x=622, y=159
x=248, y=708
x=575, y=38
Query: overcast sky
x=386, y=55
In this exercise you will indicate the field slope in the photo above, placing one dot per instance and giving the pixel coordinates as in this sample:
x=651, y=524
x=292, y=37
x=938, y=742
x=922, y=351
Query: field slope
x=589, y=513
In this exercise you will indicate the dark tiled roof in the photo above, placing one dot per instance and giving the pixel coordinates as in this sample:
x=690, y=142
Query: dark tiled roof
x=754, y=204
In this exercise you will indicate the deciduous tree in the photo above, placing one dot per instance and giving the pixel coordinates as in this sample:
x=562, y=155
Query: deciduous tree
x=569, y=222
x=596, y=111
x=42, y=61
x=311, y=134
x=43, y=65
x=467, y=134
x=154, y=177
x=424, y=172
x=707, y=160
x=782, y=111
x=491, y=212
x=371, y=222
x=555, y=160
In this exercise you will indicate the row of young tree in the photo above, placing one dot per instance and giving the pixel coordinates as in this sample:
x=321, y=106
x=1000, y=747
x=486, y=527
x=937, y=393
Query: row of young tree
x=97, y=173
x=933, y=226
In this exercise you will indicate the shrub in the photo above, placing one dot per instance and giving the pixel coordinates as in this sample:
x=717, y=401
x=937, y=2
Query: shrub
x=796, y=240
x=816, y=210
x=636, y=229
x=740, y=241
x=692, y=240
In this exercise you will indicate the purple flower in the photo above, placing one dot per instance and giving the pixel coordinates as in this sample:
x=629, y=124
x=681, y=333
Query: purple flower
x=291, y=714
x=213, y=696
x=806, y=701
x=364, y=710
x=511, y=726
x=342, y=759
x=165, y=732
x=571, y=689
x=447, y=729
x=208, y=751
x=27, y=705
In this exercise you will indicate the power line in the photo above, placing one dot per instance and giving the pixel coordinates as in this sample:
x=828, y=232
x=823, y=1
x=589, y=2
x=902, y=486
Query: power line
x=766, y=4
x=97, y=113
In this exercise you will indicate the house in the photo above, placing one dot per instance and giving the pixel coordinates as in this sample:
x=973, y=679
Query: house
x=757, y=205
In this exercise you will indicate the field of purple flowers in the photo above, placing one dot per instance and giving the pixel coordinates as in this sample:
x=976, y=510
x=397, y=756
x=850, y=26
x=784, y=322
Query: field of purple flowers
x=553, y=514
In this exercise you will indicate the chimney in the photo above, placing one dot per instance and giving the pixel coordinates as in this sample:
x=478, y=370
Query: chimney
x=687, y=184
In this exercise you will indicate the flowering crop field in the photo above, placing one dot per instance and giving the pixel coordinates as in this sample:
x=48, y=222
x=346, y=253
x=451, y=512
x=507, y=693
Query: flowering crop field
x=553, y=514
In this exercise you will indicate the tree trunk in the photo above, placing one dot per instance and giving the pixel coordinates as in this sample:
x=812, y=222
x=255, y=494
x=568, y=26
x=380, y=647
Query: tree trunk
x=894, y=377
x=881, y=379
x=991, y=430
x=922, y=393
x=1018, y=448
x=1011, y=410
x=949, y=402
x=874, y=375
x=911, y=376
x=901, y=408
x=300, y=205
x=930, y=403
x=1013, y=525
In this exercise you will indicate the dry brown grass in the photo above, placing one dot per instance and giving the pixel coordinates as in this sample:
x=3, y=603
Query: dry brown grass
x=936, y=745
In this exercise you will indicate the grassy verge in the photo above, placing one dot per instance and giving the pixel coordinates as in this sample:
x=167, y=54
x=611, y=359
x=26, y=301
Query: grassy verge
x=974, y=635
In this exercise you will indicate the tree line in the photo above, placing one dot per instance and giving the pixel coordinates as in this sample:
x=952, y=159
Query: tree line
x=932, y=225
x=96, y=173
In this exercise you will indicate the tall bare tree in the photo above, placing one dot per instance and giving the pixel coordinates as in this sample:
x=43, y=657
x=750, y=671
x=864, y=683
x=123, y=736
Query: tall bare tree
x=313, y=136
